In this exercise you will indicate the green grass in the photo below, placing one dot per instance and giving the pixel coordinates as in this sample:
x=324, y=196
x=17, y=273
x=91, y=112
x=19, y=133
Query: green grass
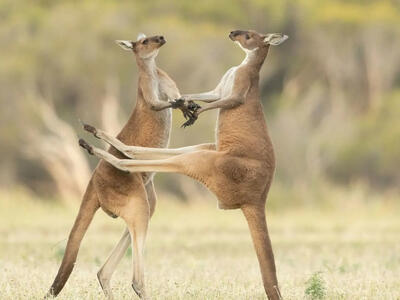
x=199, y=252
x=315, y=286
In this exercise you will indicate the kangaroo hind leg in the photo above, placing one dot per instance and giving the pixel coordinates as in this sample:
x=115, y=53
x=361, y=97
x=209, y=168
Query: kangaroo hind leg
x=137, y=215
x=255, y=216
x=108, y=269
x=89, y=206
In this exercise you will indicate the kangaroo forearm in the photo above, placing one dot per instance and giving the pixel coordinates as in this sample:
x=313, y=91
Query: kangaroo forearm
x=230, y=102
x=205, y=97
x=160, y=105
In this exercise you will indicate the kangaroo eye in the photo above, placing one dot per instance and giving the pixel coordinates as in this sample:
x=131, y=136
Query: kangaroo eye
x=247, y=37
x=145, y=42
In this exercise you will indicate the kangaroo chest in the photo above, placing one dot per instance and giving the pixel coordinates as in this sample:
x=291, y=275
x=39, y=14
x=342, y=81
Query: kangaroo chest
x=227, y=82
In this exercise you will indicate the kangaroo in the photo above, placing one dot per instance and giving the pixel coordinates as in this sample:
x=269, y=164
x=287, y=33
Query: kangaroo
x=240, y=166
x=118, y=193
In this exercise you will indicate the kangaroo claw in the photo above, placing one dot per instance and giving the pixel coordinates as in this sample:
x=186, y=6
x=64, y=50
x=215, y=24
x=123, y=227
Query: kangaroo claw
x=192, y=119
x=86, y=146
x=178, y=103
x=193, y=106
x=138, y=290
x=188, y=108
x=90, y=128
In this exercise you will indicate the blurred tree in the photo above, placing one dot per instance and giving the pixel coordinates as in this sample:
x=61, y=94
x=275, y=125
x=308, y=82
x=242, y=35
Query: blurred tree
x=337, y=73
x=372, y=153
x=58, y=153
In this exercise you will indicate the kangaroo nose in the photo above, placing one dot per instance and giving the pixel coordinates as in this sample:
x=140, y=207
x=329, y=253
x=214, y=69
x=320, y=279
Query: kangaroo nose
x=161, y=40
x=233, y=34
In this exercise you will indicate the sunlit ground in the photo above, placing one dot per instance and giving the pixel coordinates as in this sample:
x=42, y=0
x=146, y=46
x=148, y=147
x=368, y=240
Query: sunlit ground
x=199, y=252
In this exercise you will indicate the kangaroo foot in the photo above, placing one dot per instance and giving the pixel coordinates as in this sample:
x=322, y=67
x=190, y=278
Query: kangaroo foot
x=138, y=290
x=91, y=129
x=105, y=286
x=86, y=146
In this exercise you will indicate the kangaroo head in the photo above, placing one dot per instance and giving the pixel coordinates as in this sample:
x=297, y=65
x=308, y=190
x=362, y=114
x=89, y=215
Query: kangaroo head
x=250, y=40
x=144, y=47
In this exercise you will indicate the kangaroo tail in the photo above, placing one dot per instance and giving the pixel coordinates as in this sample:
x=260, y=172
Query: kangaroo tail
x=89, y=206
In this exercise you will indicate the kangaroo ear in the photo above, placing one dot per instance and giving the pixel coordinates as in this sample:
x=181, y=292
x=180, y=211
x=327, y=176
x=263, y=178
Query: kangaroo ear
x=126, y=45
x=275, y=39
x=140, y=36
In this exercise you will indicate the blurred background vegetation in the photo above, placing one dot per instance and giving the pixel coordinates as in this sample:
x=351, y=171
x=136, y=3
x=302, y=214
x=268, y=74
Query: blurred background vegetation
x=331, y=93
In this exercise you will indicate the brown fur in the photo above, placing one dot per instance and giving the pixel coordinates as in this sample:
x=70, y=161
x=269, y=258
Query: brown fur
x=118, y=193
x=240, y=167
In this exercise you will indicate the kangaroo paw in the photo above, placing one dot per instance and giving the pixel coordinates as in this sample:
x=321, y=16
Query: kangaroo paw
x=189, y=122
x=86, y=146
x=177, y=103
x=192, y=118
x=192, y=106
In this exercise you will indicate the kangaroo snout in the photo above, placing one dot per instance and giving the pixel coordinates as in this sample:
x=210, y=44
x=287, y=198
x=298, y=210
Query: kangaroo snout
x=235, y=33
x=161, y=40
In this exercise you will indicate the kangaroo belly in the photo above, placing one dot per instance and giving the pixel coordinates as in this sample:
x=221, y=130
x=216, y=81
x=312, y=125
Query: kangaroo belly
x=115, y=188
x=241, y=133
x=153, y=130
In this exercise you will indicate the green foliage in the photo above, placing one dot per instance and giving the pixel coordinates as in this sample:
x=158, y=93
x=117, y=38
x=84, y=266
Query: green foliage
x=315, y=287
x=59, y=252
x=372, y=153
x=128, y=252
x=356, y=12
x=317, y=88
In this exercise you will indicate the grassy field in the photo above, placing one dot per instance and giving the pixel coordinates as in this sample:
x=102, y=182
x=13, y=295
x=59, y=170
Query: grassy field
x=199, y=252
